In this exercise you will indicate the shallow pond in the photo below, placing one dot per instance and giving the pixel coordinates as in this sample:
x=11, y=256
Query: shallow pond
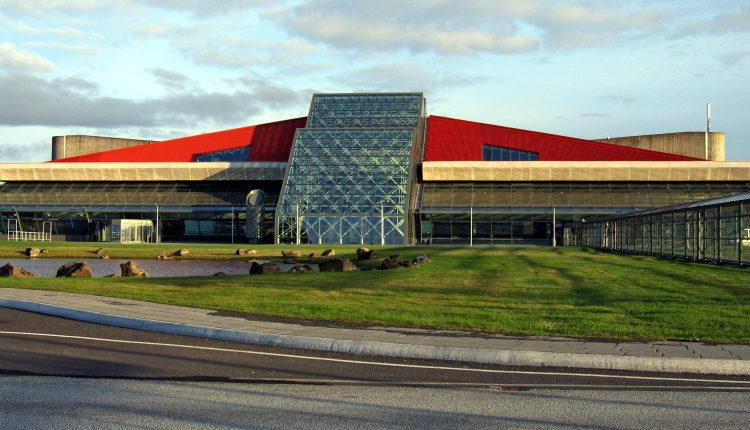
x=47, y=267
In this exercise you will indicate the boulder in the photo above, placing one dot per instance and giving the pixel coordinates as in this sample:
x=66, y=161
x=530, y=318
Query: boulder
x=328, y=253
x=291, y=254
x=32, y=252
x=181, y=252
x=44, y=251
x=104, y=257
x=130, y=269
x=395, y=257
x=11, y=271
x=74, y=270
x=99, y=251
x=164, y=256
x=390, y=263
x=303, y=268
x=312, y=255
x=261, y=268
x=419, y=259
x=245, y=251
x=337, y=265
x=365, y=254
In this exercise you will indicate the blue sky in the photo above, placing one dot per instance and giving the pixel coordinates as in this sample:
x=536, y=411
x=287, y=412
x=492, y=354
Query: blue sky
x=162, y=69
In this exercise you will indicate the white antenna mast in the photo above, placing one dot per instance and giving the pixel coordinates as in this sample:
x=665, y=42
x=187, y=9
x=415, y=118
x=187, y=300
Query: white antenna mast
x=708, y=128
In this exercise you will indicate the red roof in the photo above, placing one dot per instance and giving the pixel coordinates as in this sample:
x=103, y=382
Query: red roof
x=270, y=142
x=451, y=139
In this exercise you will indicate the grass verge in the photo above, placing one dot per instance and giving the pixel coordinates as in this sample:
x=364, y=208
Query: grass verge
x=532, y=291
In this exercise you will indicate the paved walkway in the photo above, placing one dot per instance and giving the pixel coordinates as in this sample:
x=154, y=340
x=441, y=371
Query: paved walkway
x=677, y=357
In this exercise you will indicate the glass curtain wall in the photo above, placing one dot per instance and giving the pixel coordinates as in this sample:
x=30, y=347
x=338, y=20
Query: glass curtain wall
x=521, y=212
x=348, y=176
x=716, y=230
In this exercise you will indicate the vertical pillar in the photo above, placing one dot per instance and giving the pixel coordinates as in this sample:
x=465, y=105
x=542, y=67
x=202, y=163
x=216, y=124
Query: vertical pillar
x=471, y=225
x=554, y=222
x=382, y=223
x=296, y=223
x=156, y=239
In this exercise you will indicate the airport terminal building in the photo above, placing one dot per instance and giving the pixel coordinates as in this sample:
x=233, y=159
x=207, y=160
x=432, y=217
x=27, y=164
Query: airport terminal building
x=360, y=169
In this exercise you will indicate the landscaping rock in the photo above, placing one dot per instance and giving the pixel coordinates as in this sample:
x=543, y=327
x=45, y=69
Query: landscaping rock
x=32, y=252
x=44, y=251
x=291, y=254
x=420, y=259
x=130, y=269
x=328, y=253
x=182, y=252
x=11, y=271
x=245, y=252
x=304, y=268
x=338, y=265
x=261, y=268
x=390, y=263
x=312, y=255
x=365, y=254
x=74, y=270
x=164, y=256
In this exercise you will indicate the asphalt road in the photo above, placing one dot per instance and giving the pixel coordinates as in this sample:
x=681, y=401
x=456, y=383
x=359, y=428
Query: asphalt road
x=70, y=403
x=62, y=374
x=33, y=344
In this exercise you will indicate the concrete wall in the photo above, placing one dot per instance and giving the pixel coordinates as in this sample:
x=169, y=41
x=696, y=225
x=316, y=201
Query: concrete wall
x=690, y=144
x=71, y=146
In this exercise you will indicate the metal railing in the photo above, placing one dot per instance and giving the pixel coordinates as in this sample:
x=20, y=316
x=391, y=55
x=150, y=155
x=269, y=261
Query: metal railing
x=14, y=233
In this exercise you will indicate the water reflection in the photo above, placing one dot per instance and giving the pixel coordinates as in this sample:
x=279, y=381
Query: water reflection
x=47, y=267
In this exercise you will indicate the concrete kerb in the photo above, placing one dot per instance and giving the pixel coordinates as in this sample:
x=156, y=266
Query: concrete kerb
x=398, y=350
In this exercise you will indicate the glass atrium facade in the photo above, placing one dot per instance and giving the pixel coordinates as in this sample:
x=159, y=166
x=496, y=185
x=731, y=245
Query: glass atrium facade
x=350, y=173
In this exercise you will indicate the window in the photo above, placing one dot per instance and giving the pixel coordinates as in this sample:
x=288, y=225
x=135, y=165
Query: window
x=236, y=154
x=500, y=153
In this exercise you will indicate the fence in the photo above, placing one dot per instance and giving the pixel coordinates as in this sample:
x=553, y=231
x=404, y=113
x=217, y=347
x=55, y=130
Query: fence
x=716, y=230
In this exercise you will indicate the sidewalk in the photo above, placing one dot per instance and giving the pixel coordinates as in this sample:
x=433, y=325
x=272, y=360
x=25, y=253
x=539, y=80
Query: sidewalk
x=673, y=357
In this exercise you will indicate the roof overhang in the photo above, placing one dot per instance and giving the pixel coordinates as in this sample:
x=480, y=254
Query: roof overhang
x=507, y=171
x=88, y=172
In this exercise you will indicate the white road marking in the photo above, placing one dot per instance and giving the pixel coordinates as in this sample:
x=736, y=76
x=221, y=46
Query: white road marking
x=375, y=363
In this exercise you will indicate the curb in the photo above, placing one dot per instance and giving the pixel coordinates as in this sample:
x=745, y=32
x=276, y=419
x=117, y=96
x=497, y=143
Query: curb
x=398, y=350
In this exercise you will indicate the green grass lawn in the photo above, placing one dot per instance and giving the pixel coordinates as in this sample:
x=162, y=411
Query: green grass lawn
x=539, y=291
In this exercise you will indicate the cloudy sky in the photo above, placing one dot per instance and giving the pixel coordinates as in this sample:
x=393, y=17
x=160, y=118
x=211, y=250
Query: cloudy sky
x=158, y=69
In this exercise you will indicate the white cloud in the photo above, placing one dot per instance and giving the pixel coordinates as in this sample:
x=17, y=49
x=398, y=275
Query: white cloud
x=29, y=100
x=392, y=25
x=11, y=58
x=169, y=79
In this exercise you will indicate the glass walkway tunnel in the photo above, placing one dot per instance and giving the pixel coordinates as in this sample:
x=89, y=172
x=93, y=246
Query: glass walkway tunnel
x=716, y=230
